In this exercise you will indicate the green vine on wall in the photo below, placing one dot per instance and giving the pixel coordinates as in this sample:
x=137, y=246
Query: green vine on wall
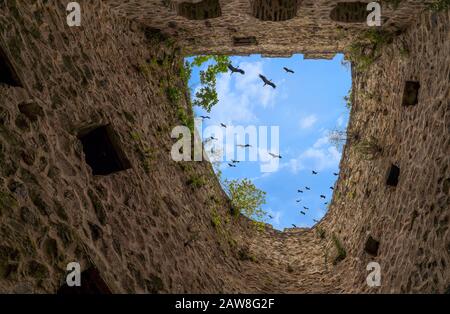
x=206, y=96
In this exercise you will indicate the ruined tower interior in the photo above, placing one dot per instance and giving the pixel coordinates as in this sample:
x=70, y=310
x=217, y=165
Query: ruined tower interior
x=128, y=214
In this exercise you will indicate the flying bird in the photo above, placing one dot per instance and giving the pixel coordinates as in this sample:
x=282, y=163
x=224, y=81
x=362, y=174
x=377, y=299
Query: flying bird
x=299, y=191
x=235, y=161
x=298, y=201
x=235, y=70
x=244, y=146
x=314, y=172
x=231, y=165
x=205, y=117
x=270, y=217
x=212, y=138
x=266, y=81
x=294, y=226
x=275, y=156
x=326, y=203
x=309, y=189
x=209, y=139
x=303, y=213
x=323, y=196
x=332, y=188
x=316, y=221
x=336, y=174
x=288, y=70
x=305, y=208
x=223, y=125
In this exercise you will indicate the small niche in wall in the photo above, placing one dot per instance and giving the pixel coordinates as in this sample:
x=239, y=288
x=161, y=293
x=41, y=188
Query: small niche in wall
x=393, y=175
x=371, y=246
x=275, y=11
x=102, y=151
x=91, y=283
x=8, y=75
x=203, y=10
x=350, y=12
x=245, y=41
x=411, y=93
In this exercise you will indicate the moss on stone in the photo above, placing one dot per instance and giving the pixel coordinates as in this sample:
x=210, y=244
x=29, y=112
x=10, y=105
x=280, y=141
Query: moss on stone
x=341, y=252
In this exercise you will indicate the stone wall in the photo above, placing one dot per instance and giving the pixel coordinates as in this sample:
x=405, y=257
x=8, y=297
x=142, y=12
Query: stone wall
x=279, y=29
x=159, y=226
x=145, y=229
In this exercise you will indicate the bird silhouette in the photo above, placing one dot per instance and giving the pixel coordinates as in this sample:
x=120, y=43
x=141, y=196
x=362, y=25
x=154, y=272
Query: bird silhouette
x=235, y=69
x=205, y=117
x=316, y=221
x=323, y=196
x=209, y=139
x=231, y=165
x=235, y=161
x=305, y=208
x=275, y=156
x=244, y=146
x=266, y=81
x=288, y=70
x=270, y=217
x=308, y=188
x=299, y=191
x=294, y=226
x=326, y=203
x=332, y=188
x=298, y=201
x=223, y=125
x=303, y=213
x=314, y=172
x=336, y=174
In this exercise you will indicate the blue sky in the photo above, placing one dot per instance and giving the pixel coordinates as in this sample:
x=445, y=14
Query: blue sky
x=306, y=106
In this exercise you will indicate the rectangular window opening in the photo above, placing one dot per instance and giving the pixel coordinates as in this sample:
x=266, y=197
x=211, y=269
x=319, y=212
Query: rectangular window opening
x=393, y=175
x=91, y=283
x=411, y=93
x=8, y=75
x=372, y=246
x=103, y=152
x=244, y=41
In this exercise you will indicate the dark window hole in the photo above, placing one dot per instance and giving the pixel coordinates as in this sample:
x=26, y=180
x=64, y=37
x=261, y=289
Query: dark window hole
x=393, y=175
x=245, y=41
x=91, y=283
x=411, y=93
x=350, y=12
x=372, y=246
x=7, y=74
x=103, y=152
x=276, y=11
x=206, y=9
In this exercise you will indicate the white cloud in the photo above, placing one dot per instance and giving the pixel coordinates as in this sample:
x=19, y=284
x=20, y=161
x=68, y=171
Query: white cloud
x=276, y=217
x=319, y=157
x=321, y=142
x=240, y=94
x=308, y=121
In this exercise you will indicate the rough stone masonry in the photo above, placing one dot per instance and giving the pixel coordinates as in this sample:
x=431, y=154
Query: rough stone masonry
x=141, y=226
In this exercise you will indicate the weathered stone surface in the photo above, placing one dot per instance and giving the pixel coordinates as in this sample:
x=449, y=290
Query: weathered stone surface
x=280, y=27
x=144, y=229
